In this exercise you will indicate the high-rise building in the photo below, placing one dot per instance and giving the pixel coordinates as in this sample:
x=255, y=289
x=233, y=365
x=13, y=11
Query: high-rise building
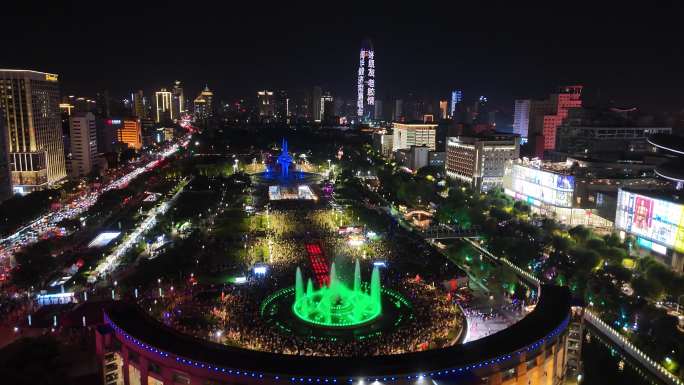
x=130, y=133
x=283, y=107
x=138, y=104
x=521, y=117
x=365, y=98
x=83, y=137
x=480, y=161
x=378, y=110
x=5, y=167
x=316, y=104
x=398, y=110
x=103, y=105
x=30, y=103
x=162, y=106
x=444, y=109
x=456, y=98
x=406, y=135
x=267, y=104
x=547, y=115
x=177, y=100
x=327, y=107
x=326, y=100
x=203, y=104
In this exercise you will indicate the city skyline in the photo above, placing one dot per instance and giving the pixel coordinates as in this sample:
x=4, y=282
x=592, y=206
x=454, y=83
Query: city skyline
x=504, y=55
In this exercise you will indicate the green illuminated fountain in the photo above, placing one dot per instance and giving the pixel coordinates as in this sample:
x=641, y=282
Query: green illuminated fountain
x=337, y=305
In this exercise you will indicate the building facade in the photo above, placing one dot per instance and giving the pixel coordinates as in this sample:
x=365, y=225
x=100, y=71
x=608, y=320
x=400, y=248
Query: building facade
x=547, y=115
x=480, y=161
x=365, y=86
x=204, y=104
x=267, y=104
x=162, y=106
x=5, y=166
x=130, y=133
x=177, y=100
x=521, y=118
x=139, y=104
x=29, y=101
x=656, y=219
x=406, y=135
x=83, y=138
x=456, y=98
x=602, y=141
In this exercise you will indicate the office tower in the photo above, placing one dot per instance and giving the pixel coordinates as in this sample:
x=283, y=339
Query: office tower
x=130, y=133
x=162, y=106
x=5, y=167
x=103, y=104
x=377, y=113
x=456, y=98
x=83, y=138
x=481, y=160
x=365, y=98
x=547, y=115
x=316, y=111
x=282, y=109
x=203, y=104
x=30, y=103
x=414, y=134
x=326, y=100
x=398, y=110
x=521, y=117
x=444, y=109
x=328, y=109
x=138, y=103
x=266, y=104
x=177, y=100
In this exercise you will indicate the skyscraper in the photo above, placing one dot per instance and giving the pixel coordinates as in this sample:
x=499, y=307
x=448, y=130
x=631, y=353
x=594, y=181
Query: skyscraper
x=177, y=100
x=365, y=98
x=139, y=109
x=83, y=137
x=283, y=106
x=456, y=98
x=203, y=104
x=377, y=115
x=444, y=109
x=162, y=106
x=266, y=103
x=521, y=117
x=316, y=110
x=398, y=110
x=30, y=103
x=326, y=100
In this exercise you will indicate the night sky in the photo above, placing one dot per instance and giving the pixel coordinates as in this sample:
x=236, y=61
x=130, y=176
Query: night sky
x=630, y=55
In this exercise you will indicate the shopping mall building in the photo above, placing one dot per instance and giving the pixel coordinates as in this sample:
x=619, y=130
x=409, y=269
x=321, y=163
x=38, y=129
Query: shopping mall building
x=135, y=349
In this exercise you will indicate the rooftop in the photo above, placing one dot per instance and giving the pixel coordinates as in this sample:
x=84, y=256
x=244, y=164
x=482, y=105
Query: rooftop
x=549, y=317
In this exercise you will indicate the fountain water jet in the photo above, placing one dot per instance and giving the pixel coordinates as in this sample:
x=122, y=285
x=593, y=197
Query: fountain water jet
x=338, y=305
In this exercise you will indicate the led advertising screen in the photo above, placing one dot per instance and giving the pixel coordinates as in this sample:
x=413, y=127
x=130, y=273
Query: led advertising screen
x=543, y=186
x=653, y=219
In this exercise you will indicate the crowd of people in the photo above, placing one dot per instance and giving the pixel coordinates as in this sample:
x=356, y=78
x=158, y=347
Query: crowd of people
x=230, y=313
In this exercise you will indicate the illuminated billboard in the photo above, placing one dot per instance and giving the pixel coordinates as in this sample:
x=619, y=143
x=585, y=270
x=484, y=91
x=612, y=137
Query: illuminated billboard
x=542, y=186
x=652, y=219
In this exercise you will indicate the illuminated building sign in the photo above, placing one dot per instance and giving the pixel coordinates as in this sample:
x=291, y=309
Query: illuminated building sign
x=651, y=219
x=365, y=82
x=51, y=77
x=114, y=121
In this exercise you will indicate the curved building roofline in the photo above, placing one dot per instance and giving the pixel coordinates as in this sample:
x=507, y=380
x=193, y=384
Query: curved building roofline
x=544, y=323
